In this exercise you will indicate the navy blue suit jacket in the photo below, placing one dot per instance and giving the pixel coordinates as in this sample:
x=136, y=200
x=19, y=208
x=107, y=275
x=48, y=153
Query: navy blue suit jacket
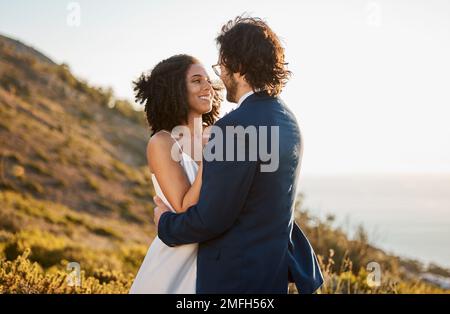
x=243, y=221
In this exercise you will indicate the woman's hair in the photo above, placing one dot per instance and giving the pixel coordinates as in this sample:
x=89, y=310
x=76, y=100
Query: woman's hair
x=248, y=46
x=164, y=93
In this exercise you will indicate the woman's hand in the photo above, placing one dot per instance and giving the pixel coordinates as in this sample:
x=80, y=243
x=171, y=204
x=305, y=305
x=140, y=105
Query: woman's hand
x=205, y=136
x=160, y=209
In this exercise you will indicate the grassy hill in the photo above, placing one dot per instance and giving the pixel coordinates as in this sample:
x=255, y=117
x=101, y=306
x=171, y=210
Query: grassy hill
x=73, y=180
x=74, y=187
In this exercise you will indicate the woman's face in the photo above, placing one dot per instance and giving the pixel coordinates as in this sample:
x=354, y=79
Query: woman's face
x=199, y=89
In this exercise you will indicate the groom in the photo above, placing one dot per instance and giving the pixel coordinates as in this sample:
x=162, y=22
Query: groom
x=243, y=222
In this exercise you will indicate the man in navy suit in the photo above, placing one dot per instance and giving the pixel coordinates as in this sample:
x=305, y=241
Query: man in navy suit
x=244, y=220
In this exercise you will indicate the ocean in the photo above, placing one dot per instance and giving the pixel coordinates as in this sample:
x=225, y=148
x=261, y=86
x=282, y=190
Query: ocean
x=405, y=214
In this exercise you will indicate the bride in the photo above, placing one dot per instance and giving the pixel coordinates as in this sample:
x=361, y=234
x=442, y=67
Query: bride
x=177, y=92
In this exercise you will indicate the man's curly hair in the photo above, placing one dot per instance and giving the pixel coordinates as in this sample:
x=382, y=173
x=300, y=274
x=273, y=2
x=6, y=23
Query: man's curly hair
x=164, y=93
x=248, y=46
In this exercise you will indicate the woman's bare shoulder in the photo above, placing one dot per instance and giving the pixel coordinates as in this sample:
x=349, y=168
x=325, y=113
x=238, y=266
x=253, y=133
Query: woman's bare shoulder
x=159, y=147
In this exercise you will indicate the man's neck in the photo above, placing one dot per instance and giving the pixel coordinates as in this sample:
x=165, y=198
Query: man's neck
x=241, y=92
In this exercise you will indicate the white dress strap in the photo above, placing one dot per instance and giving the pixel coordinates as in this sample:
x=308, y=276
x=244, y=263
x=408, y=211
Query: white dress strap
x=173, y=137
x=185, y=158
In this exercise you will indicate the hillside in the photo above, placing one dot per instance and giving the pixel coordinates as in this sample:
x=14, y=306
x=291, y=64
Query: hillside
x=74, y=187
x=72, y=158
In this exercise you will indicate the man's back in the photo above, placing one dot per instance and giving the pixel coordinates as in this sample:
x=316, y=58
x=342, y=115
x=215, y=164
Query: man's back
x=252, y=255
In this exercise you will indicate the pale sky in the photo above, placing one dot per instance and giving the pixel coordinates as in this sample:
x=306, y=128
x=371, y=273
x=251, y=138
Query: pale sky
x=371, y=84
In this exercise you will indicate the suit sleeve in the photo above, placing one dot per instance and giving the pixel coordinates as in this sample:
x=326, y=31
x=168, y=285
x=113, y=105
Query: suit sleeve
x=225, y=186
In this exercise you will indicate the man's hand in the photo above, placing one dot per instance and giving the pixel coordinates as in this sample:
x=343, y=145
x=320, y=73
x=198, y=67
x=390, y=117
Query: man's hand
x=160, y=209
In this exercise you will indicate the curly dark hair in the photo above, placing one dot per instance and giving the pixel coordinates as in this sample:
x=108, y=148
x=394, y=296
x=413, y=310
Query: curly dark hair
x=248, y=46
x=164, y=93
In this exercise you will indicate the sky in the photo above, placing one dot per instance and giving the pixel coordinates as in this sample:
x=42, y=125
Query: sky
x=371, y=83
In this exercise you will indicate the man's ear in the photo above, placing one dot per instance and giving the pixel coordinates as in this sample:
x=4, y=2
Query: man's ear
x=240, y=78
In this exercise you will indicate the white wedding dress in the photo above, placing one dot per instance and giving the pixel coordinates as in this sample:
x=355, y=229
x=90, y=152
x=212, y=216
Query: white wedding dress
x=168, y=269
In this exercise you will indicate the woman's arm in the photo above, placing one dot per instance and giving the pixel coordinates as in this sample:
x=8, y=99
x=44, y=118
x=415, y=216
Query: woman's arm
x=192, y=195
x=170, y=174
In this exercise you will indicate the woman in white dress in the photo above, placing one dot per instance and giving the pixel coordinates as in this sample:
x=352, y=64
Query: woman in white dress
x=177, y=92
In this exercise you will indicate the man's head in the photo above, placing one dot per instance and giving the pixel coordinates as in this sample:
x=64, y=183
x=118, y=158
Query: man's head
x=251, y=58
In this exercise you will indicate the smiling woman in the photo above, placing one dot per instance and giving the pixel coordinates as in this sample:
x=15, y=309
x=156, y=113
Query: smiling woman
x=199, y=89
x=171, y=88
x=178, y=93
